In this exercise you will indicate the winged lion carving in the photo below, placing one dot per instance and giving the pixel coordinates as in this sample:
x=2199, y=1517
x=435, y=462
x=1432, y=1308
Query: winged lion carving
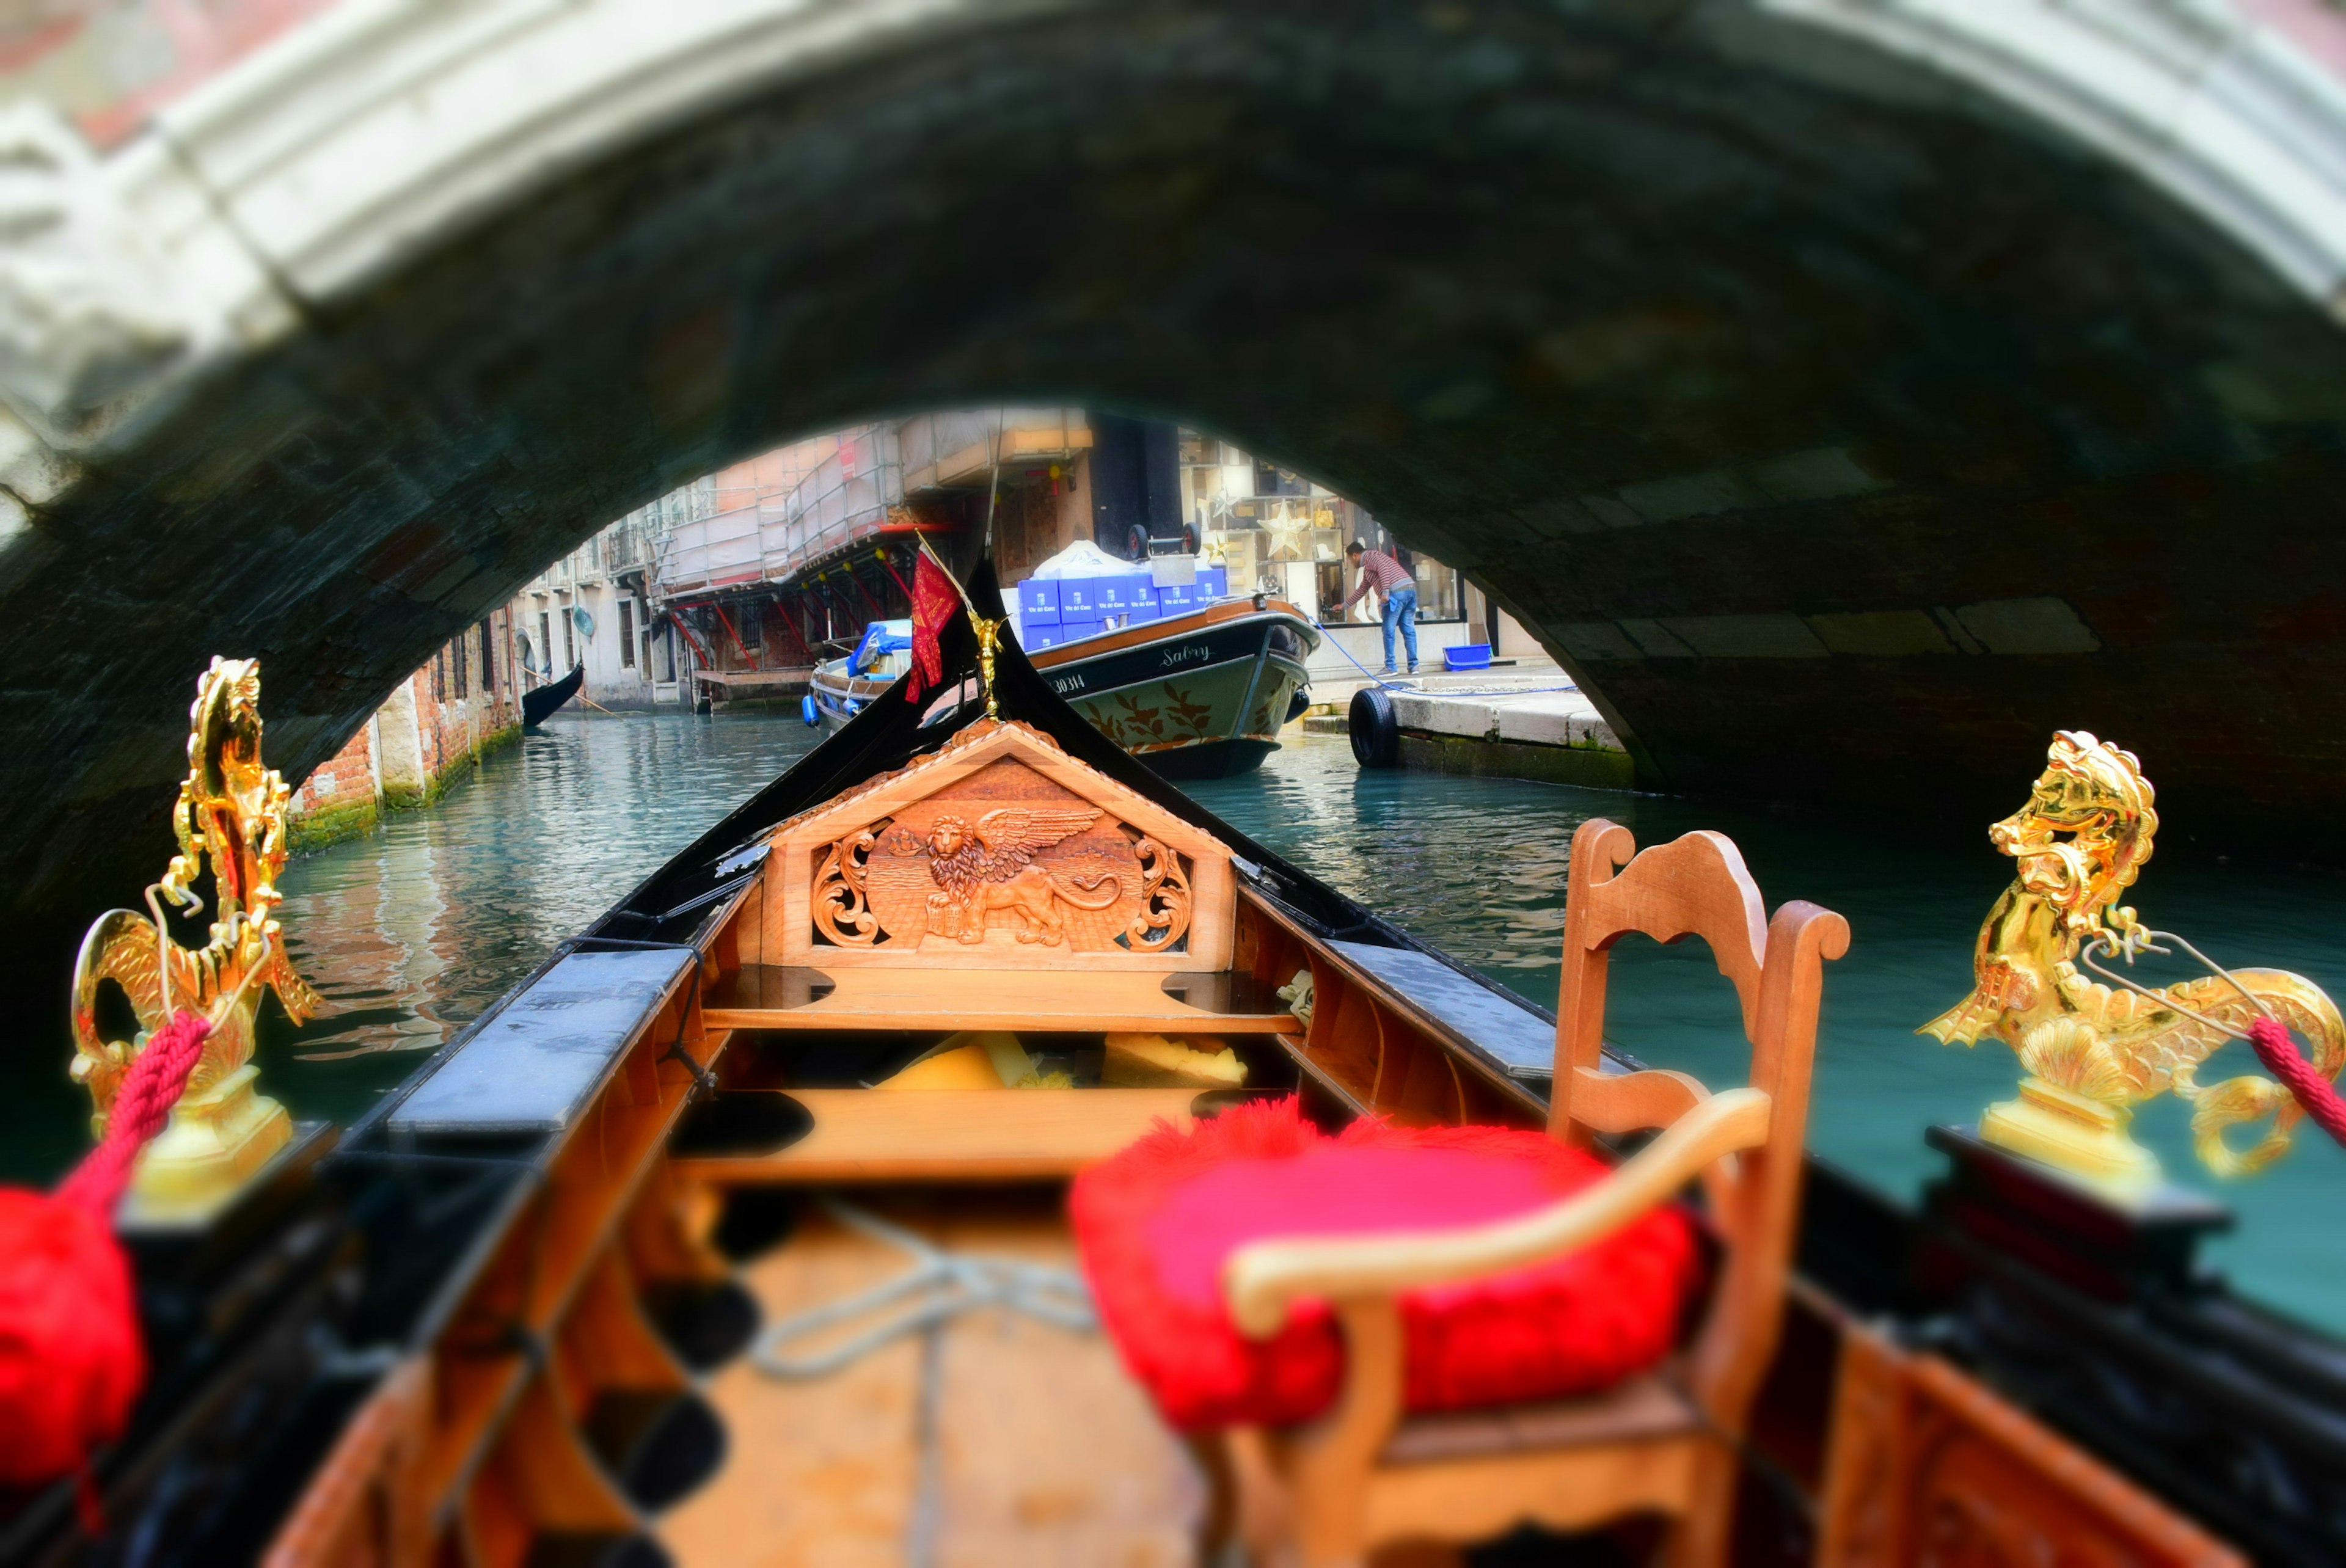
x=990, y=866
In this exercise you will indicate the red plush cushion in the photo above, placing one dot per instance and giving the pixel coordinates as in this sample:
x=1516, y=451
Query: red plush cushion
x=1157, y=1222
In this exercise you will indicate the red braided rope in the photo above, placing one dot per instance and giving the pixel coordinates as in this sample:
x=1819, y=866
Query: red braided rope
x=158, y=1076
x=2315, y=1094
x=71, y=1361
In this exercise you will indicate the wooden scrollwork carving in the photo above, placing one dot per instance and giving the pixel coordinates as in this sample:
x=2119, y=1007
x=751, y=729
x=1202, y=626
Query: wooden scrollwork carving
x=842, y=903
x=1164, y=901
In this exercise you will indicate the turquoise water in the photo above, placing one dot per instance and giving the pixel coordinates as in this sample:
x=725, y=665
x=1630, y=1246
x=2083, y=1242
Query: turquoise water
x=415, y=929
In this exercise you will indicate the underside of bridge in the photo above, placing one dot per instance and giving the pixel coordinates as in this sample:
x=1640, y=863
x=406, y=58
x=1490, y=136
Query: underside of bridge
x=1845, y=432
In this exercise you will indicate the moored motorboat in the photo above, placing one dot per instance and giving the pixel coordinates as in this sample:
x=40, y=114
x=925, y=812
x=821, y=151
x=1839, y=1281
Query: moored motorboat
x=844, y=687
x=966, y=949
x=1198, y=695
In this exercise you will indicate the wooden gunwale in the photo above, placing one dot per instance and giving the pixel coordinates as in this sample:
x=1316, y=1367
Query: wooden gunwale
x=469, y=1427
x=1460, y=1052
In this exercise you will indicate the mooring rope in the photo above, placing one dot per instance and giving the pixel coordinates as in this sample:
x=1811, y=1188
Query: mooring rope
x=943, y=1286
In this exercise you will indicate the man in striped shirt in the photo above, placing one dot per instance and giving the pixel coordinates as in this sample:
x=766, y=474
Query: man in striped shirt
x=1391, y=580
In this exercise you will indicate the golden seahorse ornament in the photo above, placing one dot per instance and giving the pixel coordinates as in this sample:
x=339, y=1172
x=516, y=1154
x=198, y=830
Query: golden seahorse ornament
x=2079, y=842
x=230, y=819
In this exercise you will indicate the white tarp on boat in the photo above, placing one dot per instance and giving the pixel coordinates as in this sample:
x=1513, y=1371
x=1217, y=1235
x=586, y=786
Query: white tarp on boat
x=1083, y=559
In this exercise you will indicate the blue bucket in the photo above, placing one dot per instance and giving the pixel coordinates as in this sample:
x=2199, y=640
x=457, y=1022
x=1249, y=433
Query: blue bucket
x=1467, y=656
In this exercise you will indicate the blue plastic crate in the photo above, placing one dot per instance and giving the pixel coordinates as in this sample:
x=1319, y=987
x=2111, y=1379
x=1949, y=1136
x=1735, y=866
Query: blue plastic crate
x=1467, y=656
x=1038, y=601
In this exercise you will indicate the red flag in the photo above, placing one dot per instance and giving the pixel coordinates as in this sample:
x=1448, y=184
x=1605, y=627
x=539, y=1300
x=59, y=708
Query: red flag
x=934, y=600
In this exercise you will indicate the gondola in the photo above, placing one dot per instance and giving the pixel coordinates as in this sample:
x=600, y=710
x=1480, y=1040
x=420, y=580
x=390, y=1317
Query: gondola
x=538, y=704
x=740, y=1231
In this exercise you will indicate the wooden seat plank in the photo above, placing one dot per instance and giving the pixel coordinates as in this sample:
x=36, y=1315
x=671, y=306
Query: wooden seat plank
x=773, y=996
x=1638, y=1408
x=953, y=1135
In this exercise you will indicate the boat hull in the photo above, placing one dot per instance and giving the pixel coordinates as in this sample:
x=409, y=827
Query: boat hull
x=1202, y=696
x=833, y=691
x=537, y=705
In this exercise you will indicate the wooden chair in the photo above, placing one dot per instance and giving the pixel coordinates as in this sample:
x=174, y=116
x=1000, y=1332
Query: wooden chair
x=1364, y=1476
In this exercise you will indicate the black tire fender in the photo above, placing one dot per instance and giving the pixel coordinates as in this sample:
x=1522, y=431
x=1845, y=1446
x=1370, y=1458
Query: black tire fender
x=1376, y=729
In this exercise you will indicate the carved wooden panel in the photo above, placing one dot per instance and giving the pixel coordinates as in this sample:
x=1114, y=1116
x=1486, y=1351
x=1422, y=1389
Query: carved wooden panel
x=1929, y=1468
x=999, y=852
x=1005, y=859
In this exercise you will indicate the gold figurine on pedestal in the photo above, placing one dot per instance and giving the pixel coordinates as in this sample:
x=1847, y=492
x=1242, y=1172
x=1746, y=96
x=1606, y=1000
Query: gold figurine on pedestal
x=2092, y=1052
x=989, y=640
x=230, y=817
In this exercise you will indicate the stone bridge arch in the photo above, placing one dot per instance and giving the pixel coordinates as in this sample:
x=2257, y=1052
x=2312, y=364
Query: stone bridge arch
x=1850, y=391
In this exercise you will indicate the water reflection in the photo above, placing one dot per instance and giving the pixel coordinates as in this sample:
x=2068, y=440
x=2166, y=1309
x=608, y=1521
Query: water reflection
x=412, y=931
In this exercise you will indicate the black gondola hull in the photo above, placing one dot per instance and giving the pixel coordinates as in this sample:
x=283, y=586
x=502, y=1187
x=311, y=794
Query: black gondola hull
x=537, y=705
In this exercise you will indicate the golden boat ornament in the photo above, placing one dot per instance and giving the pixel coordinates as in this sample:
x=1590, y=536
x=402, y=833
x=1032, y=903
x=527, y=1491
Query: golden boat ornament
x=2093, y=1052
x=230, y=819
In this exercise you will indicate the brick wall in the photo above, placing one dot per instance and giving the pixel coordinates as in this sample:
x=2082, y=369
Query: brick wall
x=348, y=775
x=436, y=724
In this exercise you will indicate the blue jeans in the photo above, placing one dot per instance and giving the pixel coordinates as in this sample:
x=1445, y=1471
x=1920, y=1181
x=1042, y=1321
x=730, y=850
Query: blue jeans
x=1401, y=604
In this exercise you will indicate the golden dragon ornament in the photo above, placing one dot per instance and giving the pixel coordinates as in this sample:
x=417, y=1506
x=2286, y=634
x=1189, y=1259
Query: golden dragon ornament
x=2093, y=1052
x=230, y=819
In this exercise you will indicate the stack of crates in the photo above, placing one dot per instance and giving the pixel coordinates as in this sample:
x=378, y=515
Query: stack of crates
x=1062, y=610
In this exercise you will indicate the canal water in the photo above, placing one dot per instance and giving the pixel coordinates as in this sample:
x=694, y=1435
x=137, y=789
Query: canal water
x=413, y=931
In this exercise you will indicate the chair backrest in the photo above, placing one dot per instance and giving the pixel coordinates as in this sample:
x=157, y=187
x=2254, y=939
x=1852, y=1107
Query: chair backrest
x=1698, y=886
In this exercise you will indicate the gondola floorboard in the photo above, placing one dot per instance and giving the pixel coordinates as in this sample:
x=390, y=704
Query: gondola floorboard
x=826, y=1472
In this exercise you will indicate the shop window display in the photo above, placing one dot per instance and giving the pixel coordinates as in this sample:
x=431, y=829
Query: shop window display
x=1276, y=532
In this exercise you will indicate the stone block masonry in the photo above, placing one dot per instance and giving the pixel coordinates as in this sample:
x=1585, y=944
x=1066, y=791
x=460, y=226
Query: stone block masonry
x=1549, y=736
x=435, y=726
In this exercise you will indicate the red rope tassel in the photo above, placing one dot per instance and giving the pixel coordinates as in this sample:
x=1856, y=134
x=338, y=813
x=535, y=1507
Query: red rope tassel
x=2315, y=1094
x=70, y=1360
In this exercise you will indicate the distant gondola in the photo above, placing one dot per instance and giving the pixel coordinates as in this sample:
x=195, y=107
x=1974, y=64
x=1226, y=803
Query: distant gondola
x=537, y=705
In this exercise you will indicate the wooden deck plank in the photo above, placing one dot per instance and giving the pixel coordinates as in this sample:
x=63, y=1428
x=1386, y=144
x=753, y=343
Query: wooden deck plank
x=1053, y=1457
x=953, y=1134
x=759, y=996
x=1049, y=1455
x=817, y=1475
